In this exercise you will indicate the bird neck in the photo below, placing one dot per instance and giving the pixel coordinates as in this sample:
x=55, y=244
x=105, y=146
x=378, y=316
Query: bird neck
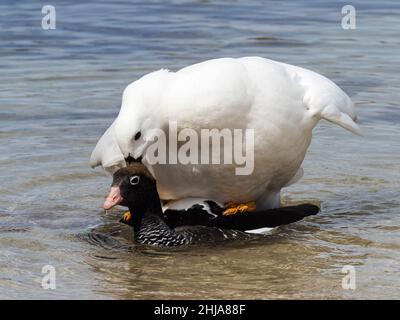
x=149, y=207
x=151, y=228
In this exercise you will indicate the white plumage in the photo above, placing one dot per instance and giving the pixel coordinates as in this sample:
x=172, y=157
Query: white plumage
x=281, y=102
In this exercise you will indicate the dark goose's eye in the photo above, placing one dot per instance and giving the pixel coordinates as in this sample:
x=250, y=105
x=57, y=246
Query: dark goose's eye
x=138, y=135
x=134, y=180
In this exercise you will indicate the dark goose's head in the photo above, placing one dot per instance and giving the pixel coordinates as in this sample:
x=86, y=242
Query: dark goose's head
x=133, y=187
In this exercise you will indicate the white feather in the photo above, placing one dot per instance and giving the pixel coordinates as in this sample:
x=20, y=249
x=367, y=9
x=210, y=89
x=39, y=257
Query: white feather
x=265, y=230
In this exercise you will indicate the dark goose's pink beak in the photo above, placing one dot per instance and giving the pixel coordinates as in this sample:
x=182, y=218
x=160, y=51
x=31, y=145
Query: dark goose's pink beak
x=114, y=198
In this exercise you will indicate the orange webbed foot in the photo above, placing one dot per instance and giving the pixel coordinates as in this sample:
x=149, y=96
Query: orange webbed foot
x=127, y=216
x=234, y=208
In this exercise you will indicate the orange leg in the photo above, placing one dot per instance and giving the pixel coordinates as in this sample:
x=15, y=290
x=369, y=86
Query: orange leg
x=234, y=208
x=127, y=217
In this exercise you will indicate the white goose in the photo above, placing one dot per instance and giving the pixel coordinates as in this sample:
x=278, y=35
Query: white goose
x=281, y=102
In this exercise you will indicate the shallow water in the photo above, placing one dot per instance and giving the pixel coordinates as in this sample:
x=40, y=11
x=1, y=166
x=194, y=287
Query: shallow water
x=60, y=89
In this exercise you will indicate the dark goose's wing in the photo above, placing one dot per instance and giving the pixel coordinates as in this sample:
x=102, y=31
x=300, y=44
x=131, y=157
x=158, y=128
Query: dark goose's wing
x=211, y=216
x=197, y=215
x=267, y=218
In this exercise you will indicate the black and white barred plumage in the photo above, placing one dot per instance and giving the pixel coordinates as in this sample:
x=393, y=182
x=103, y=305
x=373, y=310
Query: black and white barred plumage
x=154, y=231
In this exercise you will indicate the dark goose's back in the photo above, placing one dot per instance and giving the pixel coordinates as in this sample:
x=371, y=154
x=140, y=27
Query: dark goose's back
x=154, y=231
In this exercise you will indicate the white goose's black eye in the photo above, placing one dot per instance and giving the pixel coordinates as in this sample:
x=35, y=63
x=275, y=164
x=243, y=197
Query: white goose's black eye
x=138, y=135
x=134, y=180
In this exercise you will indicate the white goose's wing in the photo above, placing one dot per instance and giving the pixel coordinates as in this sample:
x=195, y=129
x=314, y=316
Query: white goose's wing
x=107, y=152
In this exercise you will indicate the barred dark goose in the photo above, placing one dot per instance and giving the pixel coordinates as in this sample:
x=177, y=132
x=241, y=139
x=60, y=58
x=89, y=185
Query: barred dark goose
x=134, y=187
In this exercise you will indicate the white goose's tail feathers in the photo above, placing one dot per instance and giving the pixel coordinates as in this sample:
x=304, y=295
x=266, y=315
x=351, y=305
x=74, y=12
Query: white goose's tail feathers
x=334, y=115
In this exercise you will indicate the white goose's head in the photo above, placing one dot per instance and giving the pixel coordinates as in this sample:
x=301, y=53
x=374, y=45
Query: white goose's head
x=141, y=118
